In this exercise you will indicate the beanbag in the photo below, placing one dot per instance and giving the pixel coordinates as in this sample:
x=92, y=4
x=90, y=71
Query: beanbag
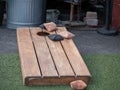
x=51, y=26
x=55, y=37
x=66, y=34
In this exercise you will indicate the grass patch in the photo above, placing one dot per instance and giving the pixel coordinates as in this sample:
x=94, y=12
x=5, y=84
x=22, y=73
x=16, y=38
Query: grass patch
x=105, y=70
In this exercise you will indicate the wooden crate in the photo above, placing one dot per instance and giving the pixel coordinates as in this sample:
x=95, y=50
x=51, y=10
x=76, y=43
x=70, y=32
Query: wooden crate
x=47, y=62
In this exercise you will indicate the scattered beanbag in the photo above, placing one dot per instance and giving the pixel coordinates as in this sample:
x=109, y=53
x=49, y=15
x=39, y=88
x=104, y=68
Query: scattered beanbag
x=66, y=34
x=78, y=85
x=51, y=26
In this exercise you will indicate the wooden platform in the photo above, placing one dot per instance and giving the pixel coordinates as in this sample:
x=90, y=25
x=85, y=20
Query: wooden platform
x=47, y=62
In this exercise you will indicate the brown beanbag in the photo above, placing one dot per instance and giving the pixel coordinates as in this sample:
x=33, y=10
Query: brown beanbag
x=66, y=34
x=51, y=26
x=78, y=84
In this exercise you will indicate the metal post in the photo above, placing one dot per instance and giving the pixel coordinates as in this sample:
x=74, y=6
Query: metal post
x=108, y=30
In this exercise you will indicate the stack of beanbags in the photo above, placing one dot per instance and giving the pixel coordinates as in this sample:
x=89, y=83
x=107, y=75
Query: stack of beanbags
x=51, y=26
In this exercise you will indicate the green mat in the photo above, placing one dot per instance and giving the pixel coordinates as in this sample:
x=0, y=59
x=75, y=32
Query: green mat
x=105, y=70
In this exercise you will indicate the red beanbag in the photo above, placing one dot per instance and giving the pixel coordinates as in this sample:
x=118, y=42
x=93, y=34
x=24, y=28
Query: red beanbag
x=66, y=34
x=78, y=84
x=51, y=26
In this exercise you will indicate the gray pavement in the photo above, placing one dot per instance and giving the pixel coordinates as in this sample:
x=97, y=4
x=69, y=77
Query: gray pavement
x=8, y=42
x=87, y=42
x=90, y=42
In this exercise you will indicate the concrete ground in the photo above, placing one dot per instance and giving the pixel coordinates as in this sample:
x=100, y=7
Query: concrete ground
x=8, y=41
x=90, y=42
x=87, y=42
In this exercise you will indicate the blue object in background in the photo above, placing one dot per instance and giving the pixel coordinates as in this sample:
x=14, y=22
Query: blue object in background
x=25, y=13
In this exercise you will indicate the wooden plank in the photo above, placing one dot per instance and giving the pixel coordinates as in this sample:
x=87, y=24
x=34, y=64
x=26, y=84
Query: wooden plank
x=23, y=34
x=59, y=57
x=74, y=56
x=43, y=54
x=56, y=81
x=28, y=58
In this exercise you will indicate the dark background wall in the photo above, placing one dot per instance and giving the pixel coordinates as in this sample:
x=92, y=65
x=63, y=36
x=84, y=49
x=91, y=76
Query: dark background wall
x=86, y=5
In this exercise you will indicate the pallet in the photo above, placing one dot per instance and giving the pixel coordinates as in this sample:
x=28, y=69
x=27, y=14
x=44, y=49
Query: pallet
x=47, y=62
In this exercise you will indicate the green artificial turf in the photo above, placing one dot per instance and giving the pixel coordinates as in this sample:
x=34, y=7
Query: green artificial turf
x=105, y=71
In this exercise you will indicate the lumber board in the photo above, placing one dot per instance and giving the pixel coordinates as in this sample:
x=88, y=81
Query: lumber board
x=56, y=81
x=74, y=56
x=27, y=55
x=59, y=57
x=44, y=57
x=23, y=35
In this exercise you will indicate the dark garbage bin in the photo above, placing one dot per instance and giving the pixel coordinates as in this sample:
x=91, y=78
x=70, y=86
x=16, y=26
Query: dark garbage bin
x=1, y=11
x=25, y=13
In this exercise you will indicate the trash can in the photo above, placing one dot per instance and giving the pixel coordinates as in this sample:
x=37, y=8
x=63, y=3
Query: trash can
x=25, y=13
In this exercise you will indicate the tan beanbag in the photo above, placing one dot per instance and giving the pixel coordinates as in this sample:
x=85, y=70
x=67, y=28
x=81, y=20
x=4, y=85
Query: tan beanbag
x=78, y=85
x=66, y=34
x=51, y=26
